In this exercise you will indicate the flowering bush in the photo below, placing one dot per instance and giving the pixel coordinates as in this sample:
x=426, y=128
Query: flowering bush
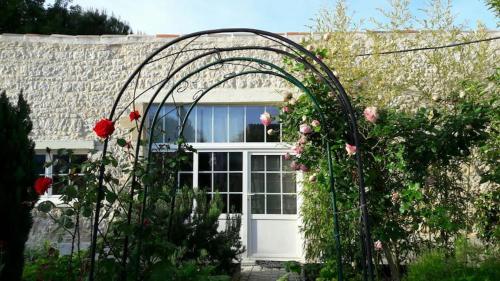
x=414, y=152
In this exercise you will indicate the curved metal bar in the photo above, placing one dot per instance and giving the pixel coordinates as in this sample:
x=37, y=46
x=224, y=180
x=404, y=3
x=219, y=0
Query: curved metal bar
x=332, y=83
x=292, y=80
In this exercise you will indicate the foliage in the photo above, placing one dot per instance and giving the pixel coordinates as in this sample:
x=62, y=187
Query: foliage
x=432, y=136
x=175, y=237
x=17, y=176
x=31, y=16
x=468, y=262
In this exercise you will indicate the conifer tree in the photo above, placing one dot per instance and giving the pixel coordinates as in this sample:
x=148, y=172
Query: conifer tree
x=17, y=175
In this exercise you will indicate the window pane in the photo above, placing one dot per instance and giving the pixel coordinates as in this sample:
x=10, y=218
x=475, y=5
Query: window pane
x=258, y=163
x=220, y=161
x=187, y=165
x=274, y=111
x=235, y=161
x=39, y=161
x=273, y=183
x=61, y=164
x=257, y=204
x=220, y=182
x=286, y=164
x=289, y=185
x=171, y=120
x=235, y=203
x=235, y=182
x=289, y=204
x=190, y=123
x=273, y=204
x=158, y=132
x=257, y=183
x=220, y=123
x=204, y=114
x=58, y=184
x=77, y=161
x=185, y=180
x=205, y=182
x=236, y=123
x=273, y=163
x=205, y=161
x=254, y=129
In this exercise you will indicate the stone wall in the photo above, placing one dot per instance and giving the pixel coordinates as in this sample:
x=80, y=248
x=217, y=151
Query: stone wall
x=72, y=81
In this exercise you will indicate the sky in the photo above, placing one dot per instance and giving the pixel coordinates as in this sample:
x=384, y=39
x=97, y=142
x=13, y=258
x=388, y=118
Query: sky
x=185, y=16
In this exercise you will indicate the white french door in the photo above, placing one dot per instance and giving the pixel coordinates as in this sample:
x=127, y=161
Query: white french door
x=272, y=207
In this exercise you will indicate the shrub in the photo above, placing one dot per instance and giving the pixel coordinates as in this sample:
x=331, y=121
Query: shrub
x=466, y=263
x=17, y=176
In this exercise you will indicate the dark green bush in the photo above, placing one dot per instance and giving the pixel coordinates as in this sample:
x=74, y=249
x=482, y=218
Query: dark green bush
x=16, y=193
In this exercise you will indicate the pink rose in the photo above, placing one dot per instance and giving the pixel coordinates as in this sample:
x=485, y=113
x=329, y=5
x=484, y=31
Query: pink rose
x=297, y=149
x=378, y=245
x=395, y=197
x=351, y=149
x=265, y=119
x=315, y=123
x=302, y=140
x=287, y=156
x=285, y=109
x=294, y=165
x=371, y=114
x=304, y=168
x=305, y=129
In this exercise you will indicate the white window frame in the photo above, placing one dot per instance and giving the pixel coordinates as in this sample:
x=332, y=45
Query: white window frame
x=49, y=149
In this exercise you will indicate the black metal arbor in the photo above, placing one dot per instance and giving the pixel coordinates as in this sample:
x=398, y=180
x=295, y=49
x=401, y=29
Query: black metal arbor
x=187, y=57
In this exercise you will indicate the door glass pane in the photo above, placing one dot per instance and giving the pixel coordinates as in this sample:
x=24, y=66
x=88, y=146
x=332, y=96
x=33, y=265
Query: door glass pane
x=258, y=163
x=273, y=183
x=185, y=180
x=236, y=123
x=204, y=114
x=220, y=123
x=235, y=182
x=273, y=163
x=220, y=182
x=190, y=123
x=171, y=124
x=254, y=129
x=39, y=162
x=289, y=204
x=274, y=125
x=235, y=203
x=257, y=183
x=235, y=161
x=205, y=182
x=257, y=204
x=289, y=185
x=205, y=161
x=273, y=204
x=220, y=161
x=224, y=199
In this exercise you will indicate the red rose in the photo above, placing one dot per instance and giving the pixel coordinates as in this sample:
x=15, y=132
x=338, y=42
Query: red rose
x=104, y=128
x=42, y=184
x=134, y=115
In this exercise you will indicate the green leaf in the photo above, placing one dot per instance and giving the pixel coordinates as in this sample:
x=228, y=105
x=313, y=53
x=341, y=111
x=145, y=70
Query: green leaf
x=121, y=142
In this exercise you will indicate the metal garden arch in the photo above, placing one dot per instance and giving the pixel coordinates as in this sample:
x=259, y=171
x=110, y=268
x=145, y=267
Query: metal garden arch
x=180, y=55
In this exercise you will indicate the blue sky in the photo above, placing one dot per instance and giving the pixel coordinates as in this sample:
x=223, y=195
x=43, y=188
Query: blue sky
x=184, y=16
